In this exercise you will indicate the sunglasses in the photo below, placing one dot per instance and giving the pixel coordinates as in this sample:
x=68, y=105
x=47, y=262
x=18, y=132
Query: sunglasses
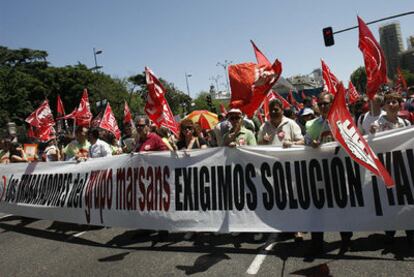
x=321, y=104
x=141, y=125
x=187, y=128
x=234, y=118
x=392, y=102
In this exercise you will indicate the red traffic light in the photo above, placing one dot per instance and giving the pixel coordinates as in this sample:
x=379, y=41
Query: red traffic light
x=328, y=36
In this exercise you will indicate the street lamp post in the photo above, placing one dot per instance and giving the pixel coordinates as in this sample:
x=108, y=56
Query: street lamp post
x=96, y=52
x=187, y=75
x=225, y=65
x=215, y=79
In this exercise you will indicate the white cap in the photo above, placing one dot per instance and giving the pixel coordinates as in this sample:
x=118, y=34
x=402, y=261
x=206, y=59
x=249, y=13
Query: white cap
x=306, y=111
x=238, y=111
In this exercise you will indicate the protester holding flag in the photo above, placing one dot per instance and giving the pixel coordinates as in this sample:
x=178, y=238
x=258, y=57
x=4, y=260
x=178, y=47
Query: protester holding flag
x=238, y=134
x=148, y=141
x=78, y=148
x=128, y=140
x=318, y=132
x=279, y=130
x=98, y=148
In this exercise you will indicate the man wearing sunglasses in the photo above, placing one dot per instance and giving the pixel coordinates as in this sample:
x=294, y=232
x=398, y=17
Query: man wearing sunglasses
x=238, y=135
x=148, y=141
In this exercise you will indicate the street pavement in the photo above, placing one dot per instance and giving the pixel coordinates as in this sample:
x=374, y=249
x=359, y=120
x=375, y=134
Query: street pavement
x=32, y=247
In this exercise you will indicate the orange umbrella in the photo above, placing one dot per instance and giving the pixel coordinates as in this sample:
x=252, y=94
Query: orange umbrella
x=206, y=119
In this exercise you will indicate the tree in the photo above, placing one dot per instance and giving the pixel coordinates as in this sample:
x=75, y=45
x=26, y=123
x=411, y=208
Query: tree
x=359, y=79
x=26, y=79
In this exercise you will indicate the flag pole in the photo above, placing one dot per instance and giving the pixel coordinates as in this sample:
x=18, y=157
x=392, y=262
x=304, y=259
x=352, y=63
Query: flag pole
x=74, y=126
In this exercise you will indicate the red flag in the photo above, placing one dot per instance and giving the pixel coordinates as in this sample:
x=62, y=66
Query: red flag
x=374, y=60
x=251, y=82
x=82, y=115
x=261, y=59
x=59, y=107
x=285, y=103
x=42, y=117
x=45, y=134
x=352, y=93
x=330, y=80
x=108, y=122
x=401, y=84
x=303, y=95
x=127, y=115
x=291, y=99
x=157, y=107
x=346, y=133
x=223, y=109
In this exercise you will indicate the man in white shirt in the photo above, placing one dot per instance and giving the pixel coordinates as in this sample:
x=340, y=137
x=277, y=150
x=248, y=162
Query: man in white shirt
x=98, y=148
x=365, y=120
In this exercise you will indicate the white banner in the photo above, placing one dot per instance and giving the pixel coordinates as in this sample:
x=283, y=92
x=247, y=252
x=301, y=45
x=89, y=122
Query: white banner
x=247, y=189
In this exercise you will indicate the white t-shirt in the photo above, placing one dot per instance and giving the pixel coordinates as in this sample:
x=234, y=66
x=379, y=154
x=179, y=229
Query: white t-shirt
x=384, y=125
x=367, y=120
x=288, y=129
x=100, y=149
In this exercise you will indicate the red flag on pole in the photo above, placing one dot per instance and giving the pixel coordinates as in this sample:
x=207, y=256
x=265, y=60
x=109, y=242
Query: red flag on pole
x=128, y=116
x=269, y=97
x=374, y=60
x=82, y=115
x=59, y=107
x=41, y=117
x=285, y=103
x=352, y=93
x=108, y=122
x=401, y=84
x=330, y=80
x=42, y=120
x=346, y=133
x=157, y=107
x=251, y=82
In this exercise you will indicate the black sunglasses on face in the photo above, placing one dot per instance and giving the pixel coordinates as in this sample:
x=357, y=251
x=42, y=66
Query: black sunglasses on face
x=320, y=104
x=234, y=117
x=187, y=128
x=141, y=125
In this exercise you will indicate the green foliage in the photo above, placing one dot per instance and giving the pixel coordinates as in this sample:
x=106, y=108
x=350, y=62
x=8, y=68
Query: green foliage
x=359, y=79
x=408, y=76
x=26, y=79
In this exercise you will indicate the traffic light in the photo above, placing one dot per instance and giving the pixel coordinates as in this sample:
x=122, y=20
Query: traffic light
x=209, y=103
x=328, y=36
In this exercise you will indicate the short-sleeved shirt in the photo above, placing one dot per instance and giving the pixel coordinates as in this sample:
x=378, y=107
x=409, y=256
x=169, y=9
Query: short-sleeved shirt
x=384, y=125
x=74, y=147
x=100, y=149
x=244, y=137
x=365, y=121
x=153, y=142
x=288, y=129
x=318, y=129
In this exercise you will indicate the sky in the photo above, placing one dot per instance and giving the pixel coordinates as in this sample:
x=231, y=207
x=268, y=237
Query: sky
x=175, y=37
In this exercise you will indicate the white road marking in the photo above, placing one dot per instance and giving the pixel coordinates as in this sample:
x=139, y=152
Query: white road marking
x=4, y=216
x=259, y=259
x=79, y=234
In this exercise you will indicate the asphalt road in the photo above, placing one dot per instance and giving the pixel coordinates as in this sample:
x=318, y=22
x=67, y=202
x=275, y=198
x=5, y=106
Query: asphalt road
x=31, y=247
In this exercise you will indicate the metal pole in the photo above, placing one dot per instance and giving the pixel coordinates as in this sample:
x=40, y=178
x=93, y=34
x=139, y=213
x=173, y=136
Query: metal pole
x=94, y=56
x=375, y=21
x=225, y=65
x=188, y=86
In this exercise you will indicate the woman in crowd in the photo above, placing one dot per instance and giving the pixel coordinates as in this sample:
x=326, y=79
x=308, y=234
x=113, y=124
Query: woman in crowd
x=190, y=137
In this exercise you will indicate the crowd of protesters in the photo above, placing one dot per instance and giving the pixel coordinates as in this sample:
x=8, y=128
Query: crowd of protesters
x=284, y=128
